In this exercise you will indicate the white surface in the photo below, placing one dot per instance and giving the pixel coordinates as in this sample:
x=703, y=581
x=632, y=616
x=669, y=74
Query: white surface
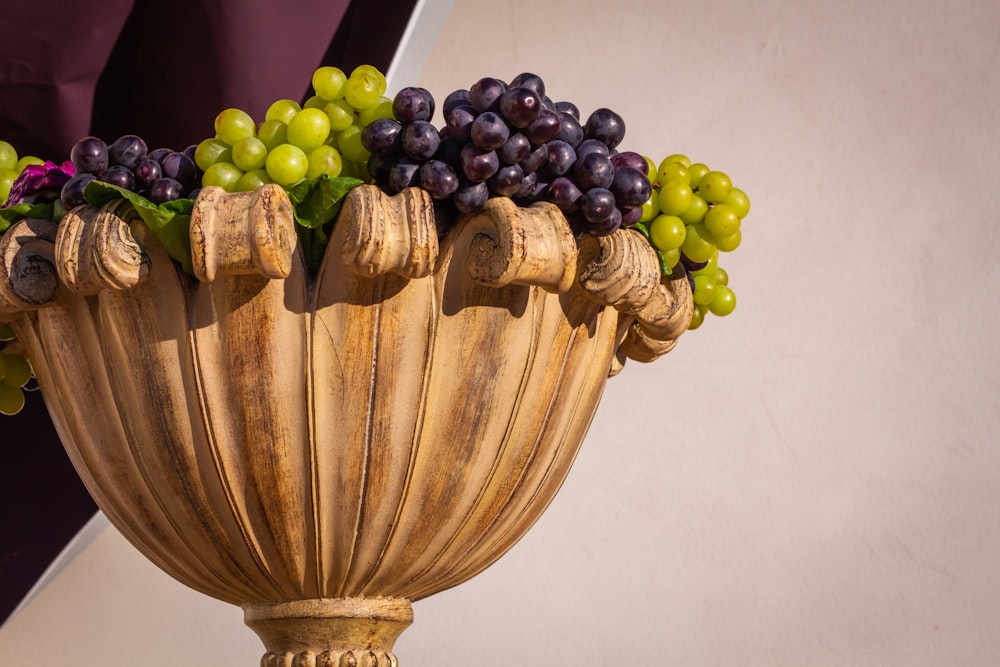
x=812, y=481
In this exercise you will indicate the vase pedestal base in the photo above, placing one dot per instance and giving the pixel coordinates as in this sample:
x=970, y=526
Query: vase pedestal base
x=330, y=632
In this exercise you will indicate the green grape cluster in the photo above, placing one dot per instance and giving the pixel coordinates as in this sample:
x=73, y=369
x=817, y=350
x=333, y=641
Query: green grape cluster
x=11, y=166
x=694, y=213
x=15, y=373
x=296, y=142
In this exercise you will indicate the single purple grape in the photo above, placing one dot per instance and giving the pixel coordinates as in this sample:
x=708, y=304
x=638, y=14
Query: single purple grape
x=379, y=165
x=529, y=80
x=383, y=135
x=588, y=146
x=593, y=171
x=181, y=168
x=536, y=159
x=563, y=193
x=631, y=187
x=439, y=179
x=606, y=126
x=159, y=153
x=477, y=164
x=420, y=140
x=404, y=174
x=516, y=148
x=631, y=159
x=471, y=198
x=71, y=194
x=165, y=189
x=459, y=122
x=455, y=98
x=570, y=108
x=544, y=128
x=489, y=131
x=485, y=94
x=413, y=103
x=119, y=175
x=507, y=181
x=89, y=155
x=605, y=227
x=630, y=215
x=561, y=157
x=146, y=172
x=597, y=204
x=570, y=129
x=529, y=184
x=128, y=151
x=520, y=106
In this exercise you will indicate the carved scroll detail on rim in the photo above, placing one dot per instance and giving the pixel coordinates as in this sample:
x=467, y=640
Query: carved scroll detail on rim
x=619, y=269
x=28, y=276
x=524, y=246
x=242, y=233
x=95, y=249
x=386, y=234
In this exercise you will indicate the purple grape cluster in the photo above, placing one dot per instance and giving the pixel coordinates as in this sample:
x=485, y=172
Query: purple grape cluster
x=503, y=139
x=160, y=175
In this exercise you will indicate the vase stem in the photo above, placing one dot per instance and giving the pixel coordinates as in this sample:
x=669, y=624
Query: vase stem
x=330, y=632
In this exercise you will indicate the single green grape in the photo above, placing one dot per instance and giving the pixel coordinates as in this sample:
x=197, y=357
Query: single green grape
x=287, y=164
x=25, y=161
x=650, y=168
x=341, y=115
x=210, y=151
x=722, y=220
x=309, y=129
x=651, y=208
x=698, y=170
x=7, y=178
x=328, y=83
x=667, y=232
x=674, y=198
x=273, y=133
x=714, y=186
x=720, y=276
x=314, y=102
x=675, y=157
x=8, y=156
x=739, y=201
x=673, y=172
x=249, y=153
x=711, y=265
x=381, y=109
x=364, y=87
x=324, y=160
x=233, y=124
x=16, y=370
x=704, y=290
x=11, y=399
x=350, y=146
x=724, y=301
x=283, y=110
x=696, y=210
x=697, y=316
x=698, y=244
x=671, y=257
x=252, y=180
x=729, y=243
x=222, y=174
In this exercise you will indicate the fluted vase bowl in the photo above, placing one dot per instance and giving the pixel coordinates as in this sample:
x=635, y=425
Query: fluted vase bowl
x=324, y=447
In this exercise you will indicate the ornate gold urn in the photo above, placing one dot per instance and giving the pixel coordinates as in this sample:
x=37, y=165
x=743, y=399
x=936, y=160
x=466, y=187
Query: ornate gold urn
x=324, y=449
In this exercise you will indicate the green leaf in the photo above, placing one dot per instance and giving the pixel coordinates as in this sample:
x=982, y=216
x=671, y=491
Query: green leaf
x=317, y=201
x=170, y=222
x=8, y=216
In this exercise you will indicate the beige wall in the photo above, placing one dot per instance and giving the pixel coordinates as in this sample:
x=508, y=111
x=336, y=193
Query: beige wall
x=812, y=481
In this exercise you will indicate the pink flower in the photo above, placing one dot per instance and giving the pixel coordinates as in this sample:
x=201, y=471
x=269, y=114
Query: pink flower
x=39, y=183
